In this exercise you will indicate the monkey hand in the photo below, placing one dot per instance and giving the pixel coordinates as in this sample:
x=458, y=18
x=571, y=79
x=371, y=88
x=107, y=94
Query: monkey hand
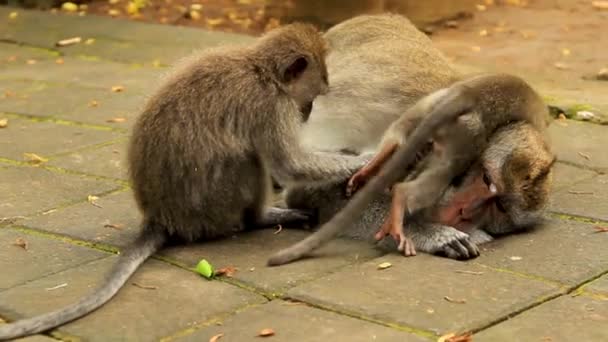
x=356, y=182
x=455, y=244
x=390, y=227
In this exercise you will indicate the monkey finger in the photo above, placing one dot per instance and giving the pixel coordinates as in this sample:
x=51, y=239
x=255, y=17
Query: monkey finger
x=462, y=252
x=409, y=248
x=471, y=247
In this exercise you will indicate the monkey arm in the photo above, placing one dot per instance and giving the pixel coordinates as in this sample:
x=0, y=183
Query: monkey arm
x=371, y=168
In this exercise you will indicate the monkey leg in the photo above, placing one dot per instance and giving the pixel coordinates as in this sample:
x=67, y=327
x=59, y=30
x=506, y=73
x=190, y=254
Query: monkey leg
x=394, y=223
x=370, y=169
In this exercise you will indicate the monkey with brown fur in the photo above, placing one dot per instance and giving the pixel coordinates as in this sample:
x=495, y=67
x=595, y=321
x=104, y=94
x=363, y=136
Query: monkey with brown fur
x=202, y=150
x=485, y=102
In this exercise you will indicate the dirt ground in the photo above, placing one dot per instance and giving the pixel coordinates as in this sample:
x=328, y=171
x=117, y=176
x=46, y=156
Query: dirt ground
x=561, y=39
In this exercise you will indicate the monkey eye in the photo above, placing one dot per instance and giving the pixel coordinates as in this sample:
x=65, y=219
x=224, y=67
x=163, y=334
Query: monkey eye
x=486, y=179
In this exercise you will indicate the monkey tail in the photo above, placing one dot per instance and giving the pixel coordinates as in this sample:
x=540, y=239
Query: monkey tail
x=450, y=105
x=128, y=262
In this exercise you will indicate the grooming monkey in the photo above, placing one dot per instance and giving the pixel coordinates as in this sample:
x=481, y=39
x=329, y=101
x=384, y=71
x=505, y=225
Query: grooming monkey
x=201, y=151
x=486, y=102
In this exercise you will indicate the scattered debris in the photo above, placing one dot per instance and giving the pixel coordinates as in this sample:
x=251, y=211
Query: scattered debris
x=46, y=212
x=483, y=33
x=476, y=48
x=145, y=287
x=584, y=155
x=515, y=258
x=469, y=272
x=466, y=337
x=451, y=24
x=116, y=120
x=114, y=226
x=205, y=269
x=69, y=41
x=56, y=287
x=279, y=229
x=196, y=7
x=10, y=220
x=585, y=115
x=20, y=242
x=194, y=15
x=452, y=300
x=566, y=52
x=92, y=199
x=266, y=332
x=599, y=229
x=252, y=269
x=562, y=116
x=89, y=41
x=113, y=12
x=561, y=66
x=117, y=88
x=31, y=62
x=601, y=5
x=59, y=61
x=480, y=7
x=580, y=192
x=384, y=265
x=227, y=271
x=33, y=158
x=69, y=7
x=93, y=103
x=13, y=15
x=215, y=338
x=602, y=75
x=3, y=123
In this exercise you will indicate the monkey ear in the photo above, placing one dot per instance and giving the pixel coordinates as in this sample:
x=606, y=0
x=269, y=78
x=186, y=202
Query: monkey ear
x=295, y=69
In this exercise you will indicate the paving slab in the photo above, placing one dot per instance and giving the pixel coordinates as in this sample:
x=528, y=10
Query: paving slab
x=87, y=222
x=250, y=251
x=34, y=338
x=413, y=293
x=580, y=143
x=43, y=256
x=126, y=41
x=29, y=190
x=46, y=138
x=599, y=286
x=566, y=175
x=13, y=54
x=563, y=319
x=565, y=251
x=177, y=300
x=588, y=198
x=297, y=322
x=107, y=161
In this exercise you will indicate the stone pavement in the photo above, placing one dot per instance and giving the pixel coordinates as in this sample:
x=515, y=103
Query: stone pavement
x=547, y=285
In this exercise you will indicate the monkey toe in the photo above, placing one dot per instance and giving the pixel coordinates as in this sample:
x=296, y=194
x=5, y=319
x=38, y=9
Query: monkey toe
x=406, y=245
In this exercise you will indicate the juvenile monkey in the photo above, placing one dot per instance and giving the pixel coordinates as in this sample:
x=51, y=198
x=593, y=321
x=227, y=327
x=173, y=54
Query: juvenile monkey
x=486, y=102
x=201, y=151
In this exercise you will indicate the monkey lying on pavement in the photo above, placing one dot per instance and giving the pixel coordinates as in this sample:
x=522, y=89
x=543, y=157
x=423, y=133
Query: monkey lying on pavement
x=387, y=44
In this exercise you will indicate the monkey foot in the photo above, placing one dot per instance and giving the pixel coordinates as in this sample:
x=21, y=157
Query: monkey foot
x=405, y=244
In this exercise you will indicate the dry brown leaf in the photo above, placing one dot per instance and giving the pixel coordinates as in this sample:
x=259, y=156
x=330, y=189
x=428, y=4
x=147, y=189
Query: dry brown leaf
x=215, y=338
x=91, y=199
x=69, y=41
x=33, y=158
x=452, y=300
x=20, y=242
x=145, y=287
x=93, y=103
x=227, y=271
x=116, y=120
x=466, y=337
x=279, y=229
x=599, y=229
x=117, y=88
x=266, y=332
x=114, y=226
x=602, y=5
x=384, y=265
x=3, y=123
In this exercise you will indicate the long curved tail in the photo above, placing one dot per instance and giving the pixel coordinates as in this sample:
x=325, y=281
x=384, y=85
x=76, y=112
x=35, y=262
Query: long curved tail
x=448, y=108
x=128, y=262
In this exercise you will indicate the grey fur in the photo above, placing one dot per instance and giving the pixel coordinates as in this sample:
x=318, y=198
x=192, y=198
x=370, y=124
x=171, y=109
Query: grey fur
x=203, y=148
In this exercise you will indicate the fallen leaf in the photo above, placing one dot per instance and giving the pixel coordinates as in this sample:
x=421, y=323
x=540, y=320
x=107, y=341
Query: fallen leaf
x=566, y=52
x=113, y=2
x=56, y=287
x=480, y=7
x=59, y=61
x=452, y=300
x=585, y=115
x=20, y=242
x=194, y=15
x=279, y=229
x=466, y=337
x=483, y=33
x=31, y=61
x=252, y=269
x=214, y=22
x=117, y=88
x=93, y=103
x=227, y=271
x=205, y=269
x=599, y=229
x=515, y=258
x=602, y=5
x=196, y=7
x=469, y=272
x=114, y=226
x=3, y=123
x=13, y=15
x=561, y=66
x=116, y=120
x=215, y=338
x=145, y=287
x=266, y=332
x=69, y=7
x=69, y=41
x=113, y=12
x=33, y=158
x=430, y=311
x=91, y=199
x=384, y=265
x=586, y=156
